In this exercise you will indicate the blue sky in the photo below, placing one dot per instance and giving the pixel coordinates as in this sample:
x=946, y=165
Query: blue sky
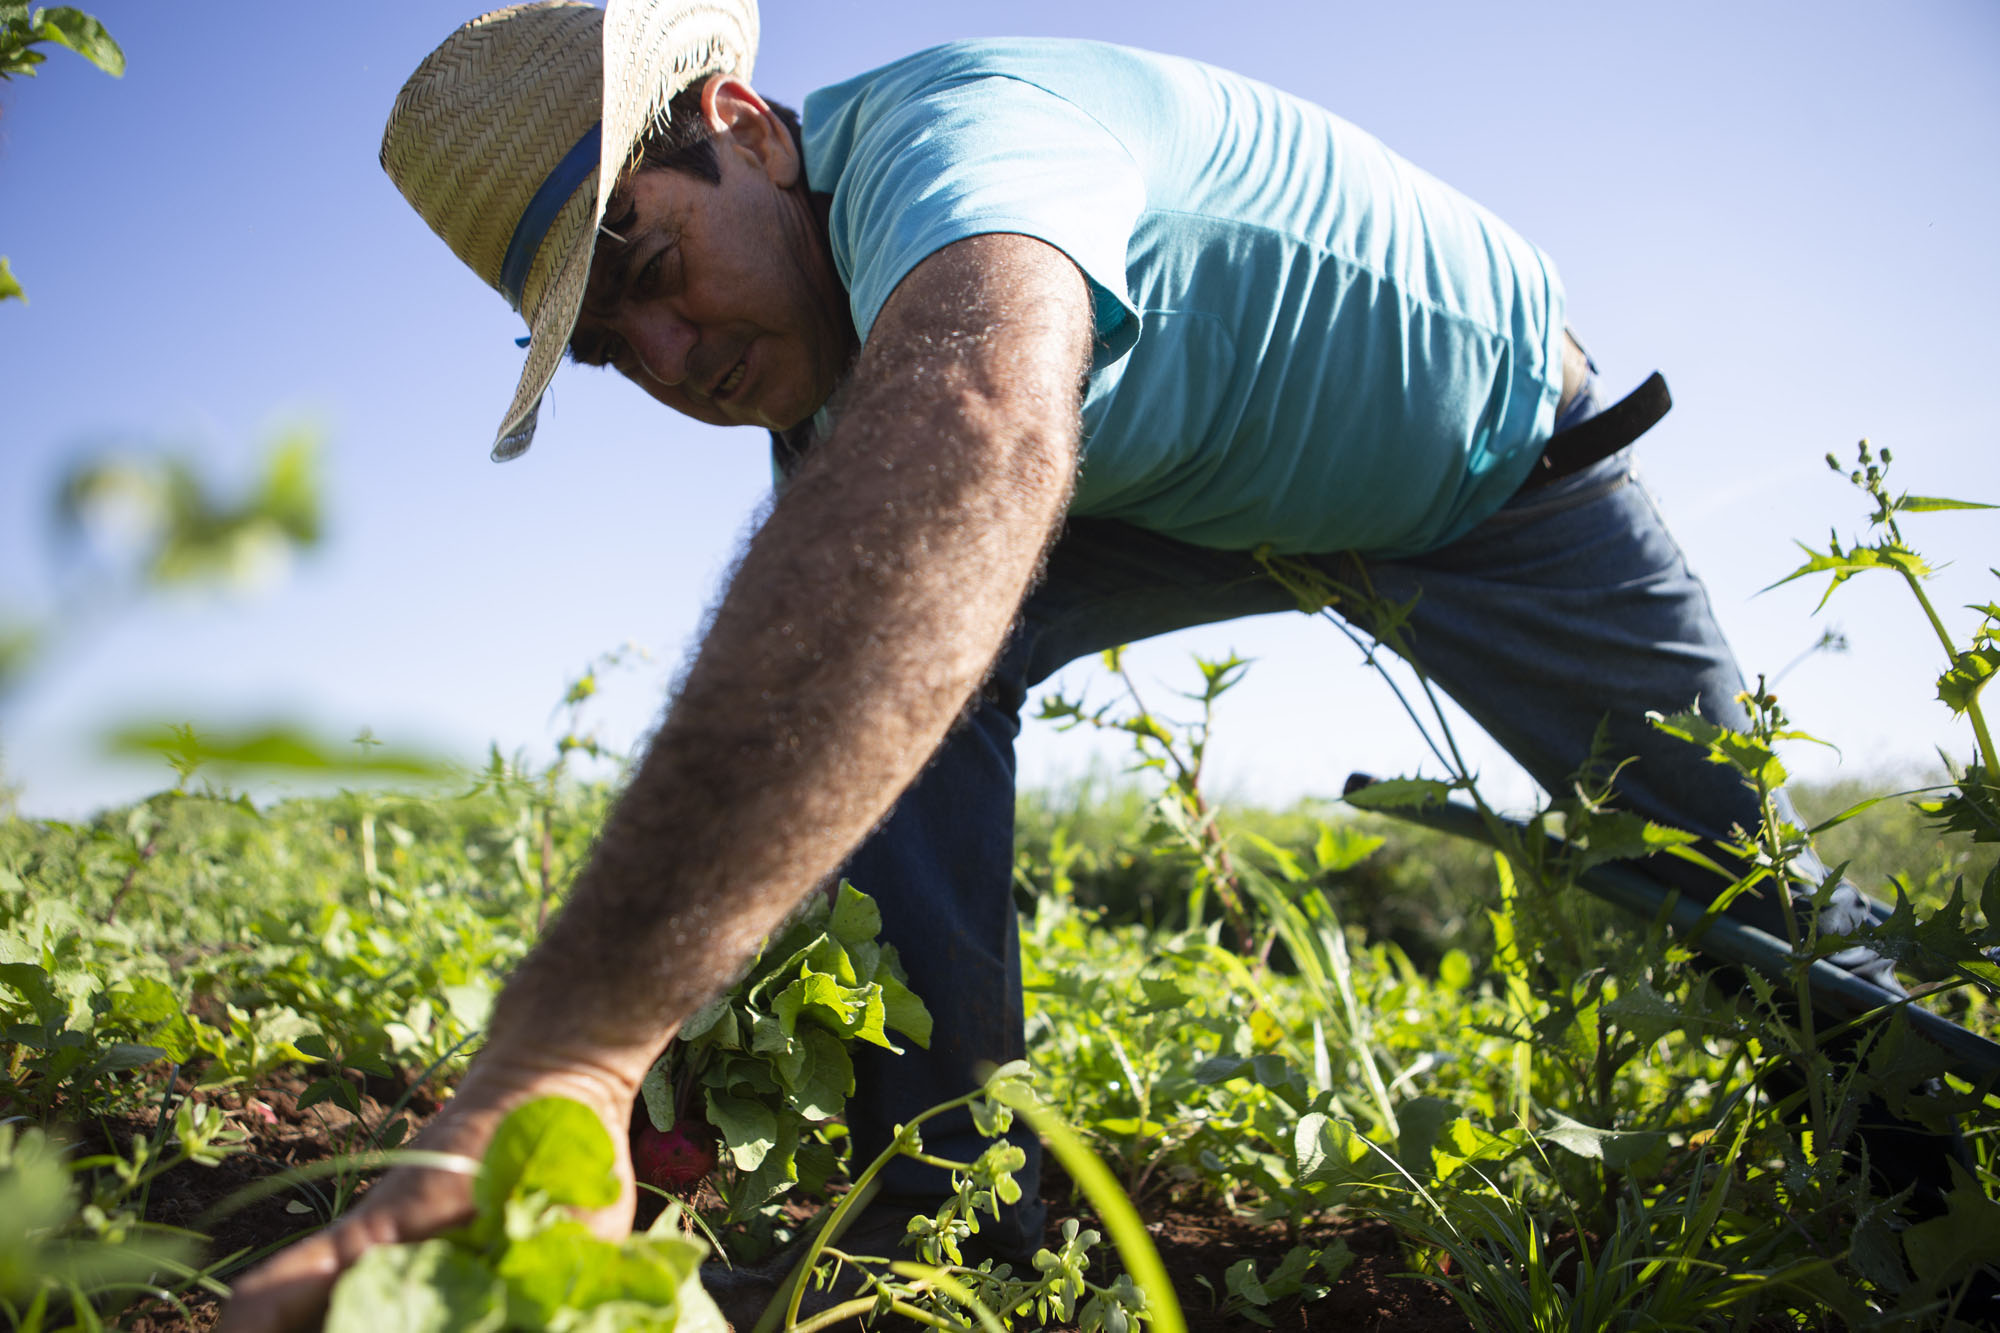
x=1788, y=208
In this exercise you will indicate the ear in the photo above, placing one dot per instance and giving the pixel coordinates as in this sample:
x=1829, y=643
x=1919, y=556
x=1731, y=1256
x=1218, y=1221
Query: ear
x=744, y=122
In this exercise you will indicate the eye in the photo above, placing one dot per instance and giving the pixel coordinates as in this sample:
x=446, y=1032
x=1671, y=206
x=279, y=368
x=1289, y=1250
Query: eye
x=660, y=270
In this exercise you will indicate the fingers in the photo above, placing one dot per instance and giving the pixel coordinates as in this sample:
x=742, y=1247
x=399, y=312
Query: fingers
x=289, y=1291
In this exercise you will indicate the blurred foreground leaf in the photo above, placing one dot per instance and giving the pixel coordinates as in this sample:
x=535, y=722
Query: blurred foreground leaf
x=279, y=746
x=82, y=34
x=185, y=532
x=21, y=32
x=18, y=643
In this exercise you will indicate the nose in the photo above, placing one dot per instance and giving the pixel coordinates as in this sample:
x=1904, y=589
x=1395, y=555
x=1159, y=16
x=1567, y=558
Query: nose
x=661, y=343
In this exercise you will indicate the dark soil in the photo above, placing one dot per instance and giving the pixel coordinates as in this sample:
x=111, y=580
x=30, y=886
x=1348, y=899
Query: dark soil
x=1374, y=1293
x=1197, y=1241
x=280, y=1138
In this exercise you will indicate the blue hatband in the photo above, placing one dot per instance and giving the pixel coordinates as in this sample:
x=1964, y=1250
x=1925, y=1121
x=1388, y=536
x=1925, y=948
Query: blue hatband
x=541, y=212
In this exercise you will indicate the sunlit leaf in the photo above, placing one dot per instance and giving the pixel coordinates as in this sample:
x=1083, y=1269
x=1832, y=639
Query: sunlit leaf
x=1617, y=1149
x=10, y=287
x=553, y=1146
x=430, y=1287
x=1617, y=835
x=1288, y=864
x=1960, y=686
x=855, y=917
x=1739, y=750
x=82, y=34
x=1343, y=846
x=1918, y=504
x=277, y=747
x=1844, y=565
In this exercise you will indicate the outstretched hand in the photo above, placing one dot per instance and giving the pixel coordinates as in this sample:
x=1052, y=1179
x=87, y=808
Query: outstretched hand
x=289, y=1291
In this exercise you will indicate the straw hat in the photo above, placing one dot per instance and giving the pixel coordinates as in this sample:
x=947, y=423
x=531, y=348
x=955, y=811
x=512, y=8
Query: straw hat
x=510, y=137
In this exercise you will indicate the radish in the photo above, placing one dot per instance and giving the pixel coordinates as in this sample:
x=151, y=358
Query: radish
x=678, y=1159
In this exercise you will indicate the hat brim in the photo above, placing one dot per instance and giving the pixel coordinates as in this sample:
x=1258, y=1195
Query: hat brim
x=652, y=51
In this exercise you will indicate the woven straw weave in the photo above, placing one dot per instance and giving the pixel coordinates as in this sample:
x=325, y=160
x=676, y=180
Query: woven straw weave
x=487, y=116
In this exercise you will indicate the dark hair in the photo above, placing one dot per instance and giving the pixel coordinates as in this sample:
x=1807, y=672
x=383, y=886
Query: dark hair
x=685, y=144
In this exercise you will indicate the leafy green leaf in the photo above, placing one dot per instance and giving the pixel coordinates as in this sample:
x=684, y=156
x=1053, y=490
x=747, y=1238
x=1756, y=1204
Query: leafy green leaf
x=1399, y=793
x=1970, y=670
x=553, y=1146
x=1844, y=565
x=1942, y=943
x=275, y=747
x=1741, y=751
x=1974, y=808
x=332, y=1089
x=1946, y=1248
x=1618, y=835
x=1288, y=864
x=778, y=1172
x=82, y=34
x=1343, y=846
x=824, y=999
x=749, y=1129
x=430, y=1287
x=151, y=1010
x=855, y=917
x=901, y=1008
x=564, y=1267
x=1920, y=504
x=1420, y=1120
x=1645, y=1013
x=705, y=1018
x=1618, y=1149
x=10, y=287
x=658, y=1094
x=826, y=1075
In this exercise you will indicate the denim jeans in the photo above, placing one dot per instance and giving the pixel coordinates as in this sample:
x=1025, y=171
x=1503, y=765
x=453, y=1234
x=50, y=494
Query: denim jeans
x=1570, y=607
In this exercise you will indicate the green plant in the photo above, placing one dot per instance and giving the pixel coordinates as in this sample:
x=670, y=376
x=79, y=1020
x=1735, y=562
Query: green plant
x=525, y=1261
x=766, y=1064
x=939, y=1289
x=73, y=1240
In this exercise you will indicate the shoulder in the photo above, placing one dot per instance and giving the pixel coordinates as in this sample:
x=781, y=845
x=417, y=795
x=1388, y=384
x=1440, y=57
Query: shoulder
x=959, y=141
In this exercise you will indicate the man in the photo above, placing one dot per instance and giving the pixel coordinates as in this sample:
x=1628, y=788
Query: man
x=1006, y=307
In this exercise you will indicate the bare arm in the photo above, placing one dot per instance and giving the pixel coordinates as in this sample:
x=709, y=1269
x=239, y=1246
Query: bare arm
x=863, y=616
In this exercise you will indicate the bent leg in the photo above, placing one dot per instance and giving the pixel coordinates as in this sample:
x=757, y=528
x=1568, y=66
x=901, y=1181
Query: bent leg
x=1573, y=608
x=941, y=866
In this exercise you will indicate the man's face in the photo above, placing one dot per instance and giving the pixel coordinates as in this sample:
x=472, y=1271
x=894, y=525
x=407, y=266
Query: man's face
x=718, y=299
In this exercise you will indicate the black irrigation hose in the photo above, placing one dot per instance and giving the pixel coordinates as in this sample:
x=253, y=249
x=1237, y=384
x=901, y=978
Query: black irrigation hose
x=1730, y=941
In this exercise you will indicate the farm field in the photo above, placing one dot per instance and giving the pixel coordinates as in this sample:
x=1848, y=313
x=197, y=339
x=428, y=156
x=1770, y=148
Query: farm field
x=1315, y=1067
x=1418, y=1095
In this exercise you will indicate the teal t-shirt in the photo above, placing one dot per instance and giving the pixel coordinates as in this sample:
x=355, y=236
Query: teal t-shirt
x=1303, y=340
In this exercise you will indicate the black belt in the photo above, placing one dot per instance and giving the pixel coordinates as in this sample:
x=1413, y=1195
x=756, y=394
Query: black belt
x=1603, y=435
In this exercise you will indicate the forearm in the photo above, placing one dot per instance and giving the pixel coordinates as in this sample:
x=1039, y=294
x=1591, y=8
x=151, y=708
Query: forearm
x=861, y=618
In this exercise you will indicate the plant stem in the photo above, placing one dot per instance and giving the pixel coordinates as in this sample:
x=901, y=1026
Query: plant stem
x=1987, y=754
x=1209, y=842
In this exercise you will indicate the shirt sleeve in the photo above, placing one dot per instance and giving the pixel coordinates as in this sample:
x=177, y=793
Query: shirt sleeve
x=976, y=157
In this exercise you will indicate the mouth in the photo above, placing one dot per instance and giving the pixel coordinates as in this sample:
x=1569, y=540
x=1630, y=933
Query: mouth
x=730, y=381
